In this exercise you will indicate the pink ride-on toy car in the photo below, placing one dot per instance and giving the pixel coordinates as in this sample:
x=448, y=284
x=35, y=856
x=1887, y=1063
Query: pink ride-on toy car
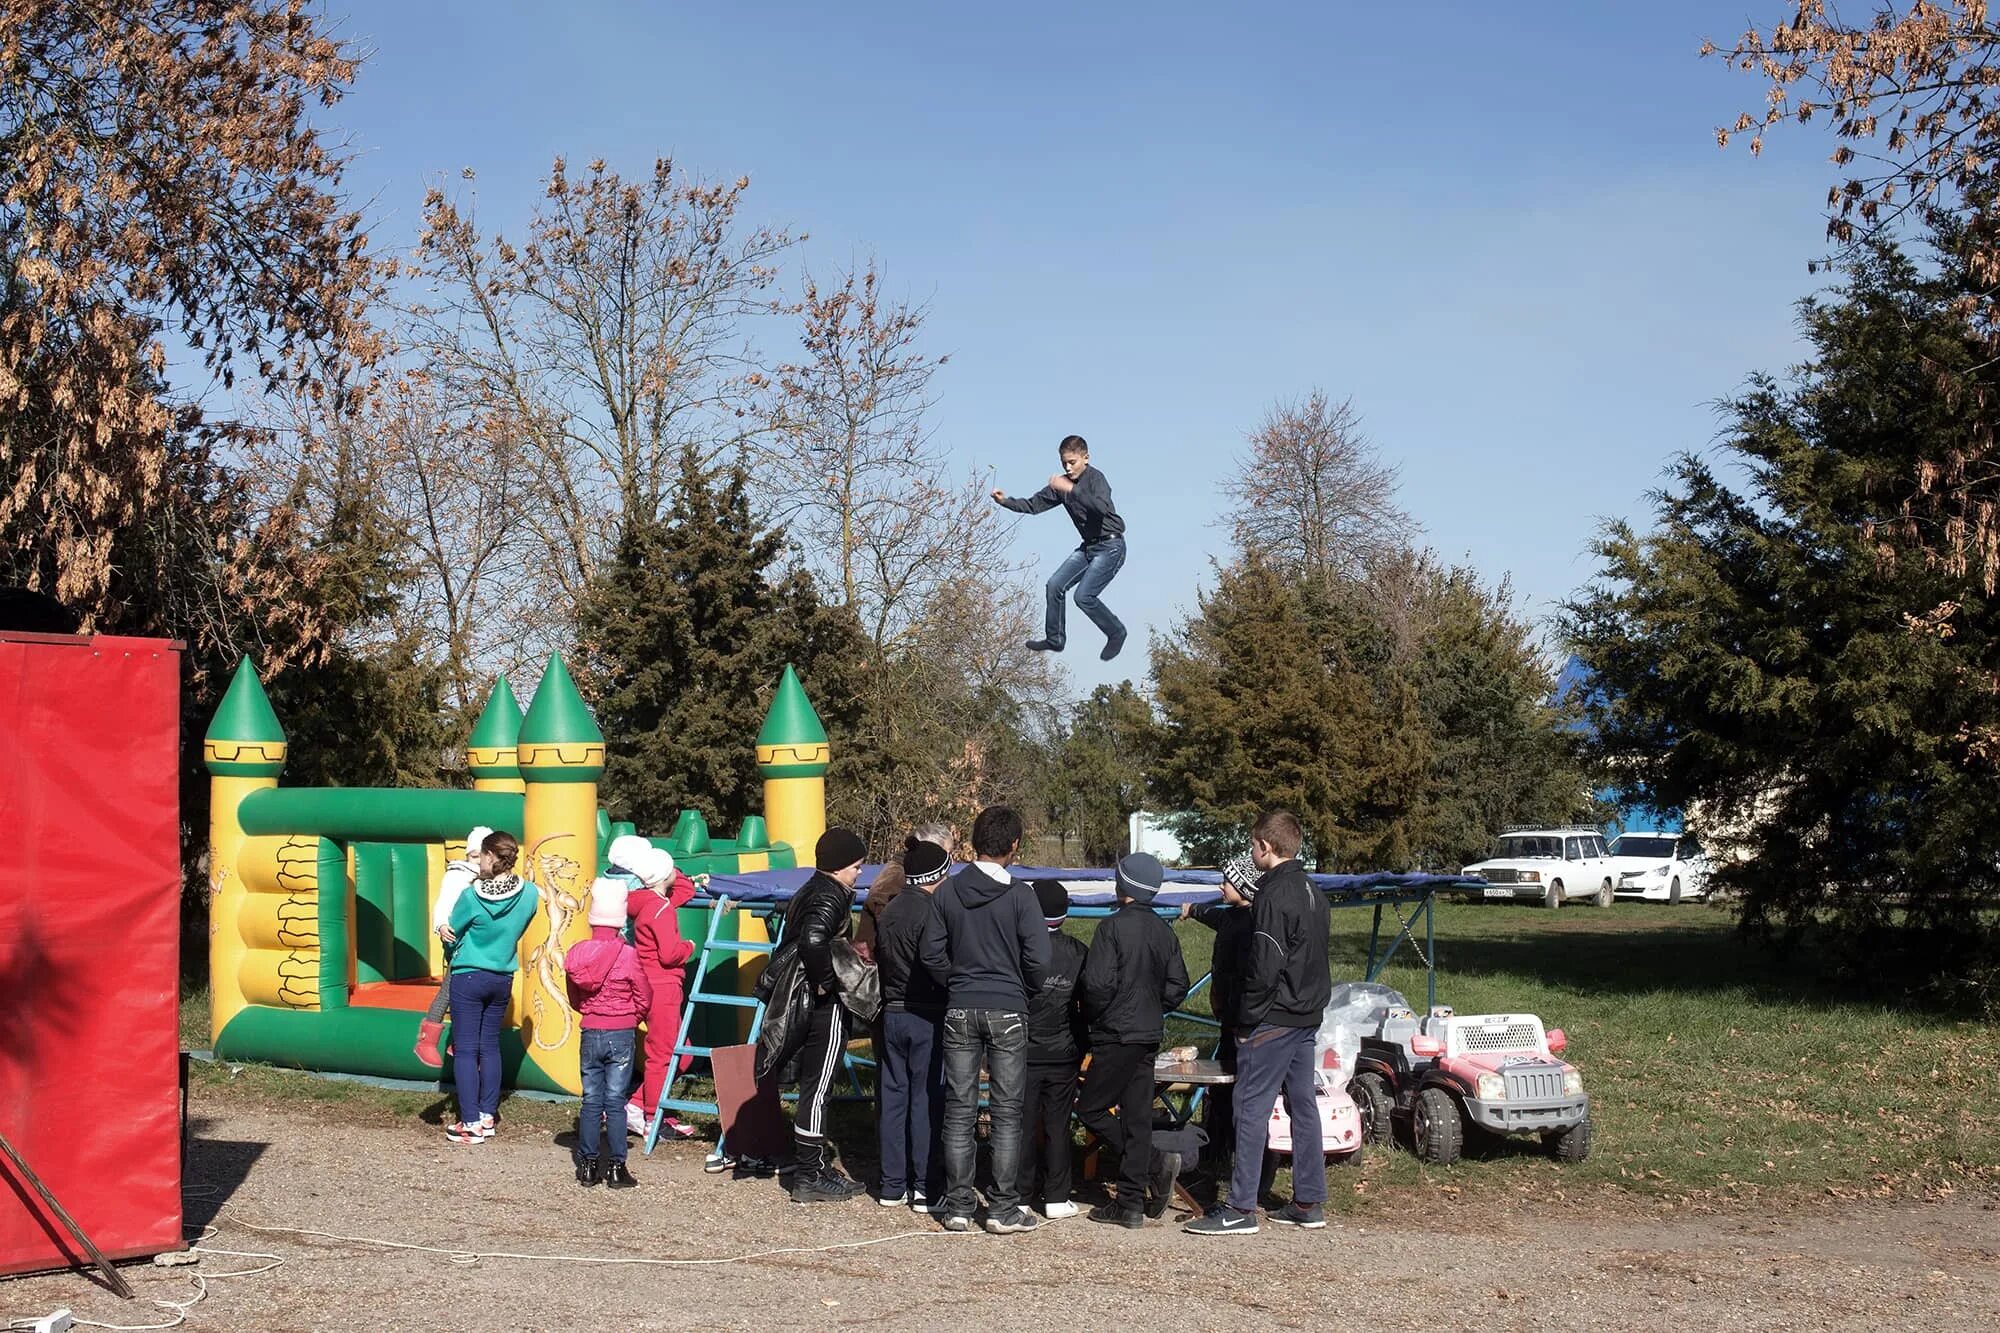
x=1439, y=1073
x=1340, y=1130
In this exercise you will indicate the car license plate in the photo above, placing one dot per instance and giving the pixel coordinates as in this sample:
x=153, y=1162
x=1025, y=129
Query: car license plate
x=1494, y=891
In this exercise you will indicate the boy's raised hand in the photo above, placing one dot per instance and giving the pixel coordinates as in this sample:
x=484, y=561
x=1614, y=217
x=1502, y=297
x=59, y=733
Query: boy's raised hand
x=999, y=494
x=1061, y=484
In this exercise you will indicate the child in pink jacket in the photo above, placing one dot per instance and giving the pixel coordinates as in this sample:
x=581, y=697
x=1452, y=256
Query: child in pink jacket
x=609, y=989
x=654, y=908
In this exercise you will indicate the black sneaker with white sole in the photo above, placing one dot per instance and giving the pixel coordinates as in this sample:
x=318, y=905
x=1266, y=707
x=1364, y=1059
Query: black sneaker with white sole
x=1224, y=1221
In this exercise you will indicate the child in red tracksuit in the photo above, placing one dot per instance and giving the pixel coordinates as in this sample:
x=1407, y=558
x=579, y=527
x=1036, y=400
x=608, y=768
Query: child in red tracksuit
x=609, y=990
x=654, y=909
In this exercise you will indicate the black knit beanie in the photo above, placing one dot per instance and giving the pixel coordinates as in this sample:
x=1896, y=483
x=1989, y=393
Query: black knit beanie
x=838, y=849
x=1053, y=899
x=923, y=862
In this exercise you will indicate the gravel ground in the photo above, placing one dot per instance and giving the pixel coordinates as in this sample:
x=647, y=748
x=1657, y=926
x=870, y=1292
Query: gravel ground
x=1611, y=1263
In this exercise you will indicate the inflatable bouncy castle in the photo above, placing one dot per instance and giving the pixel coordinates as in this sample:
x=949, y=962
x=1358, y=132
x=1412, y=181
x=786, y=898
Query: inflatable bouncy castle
x=321, y=954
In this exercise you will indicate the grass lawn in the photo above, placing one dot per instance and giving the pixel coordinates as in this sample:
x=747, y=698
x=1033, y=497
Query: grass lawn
x=1716, y=1070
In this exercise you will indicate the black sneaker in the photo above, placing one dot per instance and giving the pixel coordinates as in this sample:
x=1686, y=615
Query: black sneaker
x=1111, y=648
x=618, y=1178
x=1224, y=1221
x=586, y=1172
x=955, y=1222
x=822, y=1187
x=1111, y=1213
x=1044, y=646
x=1310, y=1216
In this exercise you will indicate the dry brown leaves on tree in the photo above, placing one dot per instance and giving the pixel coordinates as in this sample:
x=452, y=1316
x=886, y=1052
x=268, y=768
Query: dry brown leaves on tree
x=1913, y=96
x=156, y=172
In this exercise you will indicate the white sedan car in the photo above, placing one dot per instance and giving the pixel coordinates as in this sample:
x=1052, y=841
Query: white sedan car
x=1662, y=867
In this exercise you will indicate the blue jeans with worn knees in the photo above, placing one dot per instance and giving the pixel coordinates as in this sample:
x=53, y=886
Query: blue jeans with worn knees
x=478, y=1005
x=912, y=1104
x=999, y=1037
x=604, y=1058
x=1088, y=569
x=1271, y=1059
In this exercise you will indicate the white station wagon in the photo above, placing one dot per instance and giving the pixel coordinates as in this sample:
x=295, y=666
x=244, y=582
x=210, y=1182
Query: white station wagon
x=1553, y=865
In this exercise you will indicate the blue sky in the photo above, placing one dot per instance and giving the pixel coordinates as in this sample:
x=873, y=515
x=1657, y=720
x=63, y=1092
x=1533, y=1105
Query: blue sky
x=1504, y=230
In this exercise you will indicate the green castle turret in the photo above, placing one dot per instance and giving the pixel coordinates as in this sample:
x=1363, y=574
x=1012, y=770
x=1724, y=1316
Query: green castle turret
x=559, y=740
x=244, y=739
x=491, y=752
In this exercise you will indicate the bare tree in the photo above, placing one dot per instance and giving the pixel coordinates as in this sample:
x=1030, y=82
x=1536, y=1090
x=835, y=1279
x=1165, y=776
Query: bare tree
x=852, y=468
x=612, y=336
x=1311, y=494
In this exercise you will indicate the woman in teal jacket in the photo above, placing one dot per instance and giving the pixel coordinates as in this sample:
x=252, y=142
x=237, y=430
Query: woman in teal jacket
x=485, y=933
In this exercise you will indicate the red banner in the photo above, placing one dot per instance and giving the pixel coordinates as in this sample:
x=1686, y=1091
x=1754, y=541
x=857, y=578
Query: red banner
x=89, y=946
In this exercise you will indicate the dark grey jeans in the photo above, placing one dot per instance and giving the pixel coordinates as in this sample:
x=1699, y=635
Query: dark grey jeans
x=1000, y=1038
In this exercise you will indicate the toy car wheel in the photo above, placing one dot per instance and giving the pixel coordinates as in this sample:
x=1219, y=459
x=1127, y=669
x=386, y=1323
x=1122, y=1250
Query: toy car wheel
x=1604, y=893
x=1350, y=1160
x=1569, y=1145
x=1674, y=891
x=1371, y=1097
x=1436, y=1130
x=1552, y=896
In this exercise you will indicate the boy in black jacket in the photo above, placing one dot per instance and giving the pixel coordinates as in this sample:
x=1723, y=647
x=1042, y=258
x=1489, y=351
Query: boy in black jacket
x=1133, y=976
x=1085, y=495
x=910, y=1057
x=1286, y=984
x=1230, y=920
x=987, y=943
x=1055, y=1048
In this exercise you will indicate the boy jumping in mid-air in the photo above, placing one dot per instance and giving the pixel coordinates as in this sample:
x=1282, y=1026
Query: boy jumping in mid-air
x=1082, y=491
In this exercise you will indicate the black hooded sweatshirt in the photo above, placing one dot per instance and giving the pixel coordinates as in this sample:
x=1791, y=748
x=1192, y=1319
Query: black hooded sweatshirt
x=987, y=942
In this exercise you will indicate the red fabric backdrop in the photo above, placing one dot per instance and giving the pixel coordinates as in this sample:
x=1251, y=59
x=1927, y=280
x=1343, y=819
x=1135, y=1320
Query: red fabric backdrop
x=89, y=945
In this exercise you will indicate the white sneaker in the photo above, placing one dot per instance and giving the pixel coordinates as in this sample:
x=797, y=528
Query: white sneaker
x=486, y=1127
x=918, y=1203
x=1056, y=1212
x=888, y=1201
x=635, y=1119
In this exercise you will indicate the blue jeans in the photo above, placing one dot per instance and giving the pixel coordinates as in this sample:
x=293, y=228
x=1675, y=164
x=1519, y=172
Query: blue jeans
x=605, y=1060
x=1270, y=1059
x=478, y=1005
x=912, y=1081
x=1088, y=570
x=1000, y=1038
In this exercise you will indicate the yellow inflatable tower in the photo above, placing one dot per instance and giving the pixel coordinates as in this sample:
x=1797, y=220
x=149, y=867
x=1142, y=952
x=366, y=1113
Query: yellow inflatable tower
x=792, y=754
x=561, y=756
x=244, y=751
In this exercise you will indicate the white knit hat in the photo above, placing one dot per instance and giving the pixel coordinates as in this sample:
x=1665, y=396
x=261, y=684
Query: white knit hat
x=477, y=839
x=607, y=901
x=628, y=852
x=656, y=867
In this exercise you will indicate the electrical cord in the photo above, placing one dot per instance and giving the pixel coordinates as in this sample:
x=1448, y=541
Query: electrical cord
x=179, y=1309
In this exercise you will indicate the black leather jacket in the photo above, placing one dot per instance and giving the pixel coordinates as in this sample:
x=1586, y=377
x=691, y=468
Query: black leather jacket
x=820, y=913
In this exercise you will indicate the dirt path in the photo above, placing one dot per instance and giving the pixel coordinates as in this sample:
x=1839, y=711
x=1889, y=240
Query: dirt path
x=355, y=1173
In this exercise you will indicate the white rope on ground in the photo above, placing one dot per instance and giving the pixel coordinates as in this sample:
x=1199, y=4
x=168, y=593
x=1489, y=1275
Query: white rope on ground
x=179, y=1309
x=466, y=1257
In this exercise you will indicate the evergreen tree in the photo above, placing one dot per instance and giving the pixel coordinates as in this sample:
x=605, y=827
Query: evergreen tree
x=1254, y=714
x=683, y=636
x=1098, y=771
x=1758, y=660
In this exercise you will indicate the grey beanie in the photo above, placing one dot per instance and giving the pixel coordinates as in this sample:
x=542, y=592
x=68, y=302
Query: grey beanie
x=1140, y=876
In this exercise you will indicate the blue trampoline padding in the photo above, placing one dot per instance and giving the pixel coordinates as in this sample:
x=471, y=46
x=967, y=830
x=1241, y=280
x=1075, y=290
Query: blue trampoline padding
x=1087, y=888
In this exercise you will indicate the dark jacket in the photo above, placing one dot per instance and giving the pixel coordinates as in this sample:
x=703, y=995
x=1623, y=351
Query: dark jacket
x=1055, y=1024
x=1133, y=977
x=1088, y=505
x=1286, y=978
x=987, y=942
x=1225, y=968
x=899, y=944
x=882, y=891
x=821, y=912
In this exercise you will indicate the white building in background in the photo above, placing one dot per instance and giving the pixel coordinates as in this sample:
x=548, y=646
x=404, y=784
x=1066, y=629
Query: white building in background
x=1148, y=834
